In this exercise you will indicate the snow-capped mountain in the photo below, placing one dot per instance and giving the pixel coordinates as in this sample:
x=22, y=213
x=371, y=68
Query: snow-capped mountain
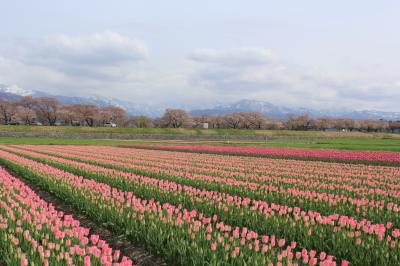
x=266, y=108
x=247, y=106
x=14, y=89
x=14, y=92
x=280, y=112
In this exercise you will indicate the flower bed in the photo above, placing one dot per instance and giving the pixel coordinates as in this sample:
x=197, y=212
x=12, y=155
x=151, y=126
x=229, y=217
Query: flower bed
x=359, y=214
x=33, y=232
x=182, y=236
x=327, y=154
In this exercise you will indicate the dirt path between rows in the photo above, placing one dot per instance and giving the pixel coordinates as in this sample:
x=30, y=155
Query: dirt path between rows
x=138, y=254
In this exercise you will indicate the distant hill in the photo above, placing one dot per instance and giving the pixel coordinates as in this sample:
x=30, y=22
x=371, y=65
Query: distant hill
x=14, y=92
x=280, y=112
x=266, y=108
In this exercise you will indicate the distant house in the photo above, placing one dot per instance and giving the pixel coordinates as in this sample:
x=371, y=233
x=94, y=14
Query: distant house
x=331, y=129
x=36, y=122
x=396, y=130
x=394, y=126
x=205, y=125
x=110, y=125
x=13, y=122
x=75, y=123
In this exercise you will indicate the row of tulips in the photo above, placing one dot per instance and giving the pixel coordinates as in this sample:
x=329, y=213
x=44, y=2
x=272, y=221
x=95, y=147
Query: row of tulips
x=213, y=160
x=33, y=232
x=328, y=154
x=334, y=232
x=181, y=236
x=325, y=203
x=351, y=180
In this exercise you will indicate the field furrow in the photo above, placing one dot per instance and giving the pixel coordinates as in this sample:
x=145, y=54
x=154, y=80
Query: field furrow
x=214, y=209
x=165, y=228
x=310, y=229
x=377, y=209
x=33, y=232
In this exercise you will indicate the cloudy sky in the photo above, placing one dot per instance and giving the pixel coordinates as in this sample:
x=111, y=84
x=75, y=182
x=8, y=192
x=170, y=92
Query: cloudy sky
x=310, y=53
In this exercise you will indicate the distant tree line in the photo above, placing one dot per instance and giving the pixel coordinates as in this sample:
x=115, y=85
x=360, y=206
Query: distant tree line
x=254, y=120
x=49, y=111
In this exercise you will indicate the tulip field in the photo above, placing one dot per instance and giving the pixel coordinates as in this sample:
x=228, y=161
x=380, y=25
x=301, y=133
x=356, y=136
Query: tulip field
x=33, y=232
x=200, y=205
x=377, y=157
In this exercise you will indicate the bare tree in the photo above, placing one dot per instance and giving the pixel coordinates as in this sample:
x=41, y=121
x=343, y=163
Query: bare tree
x=47, y=109
x=27, y=102
x=232, y=120
x=245, y=120
x=255, y=120
x=371, y=125
x=291, y=123
x=87, y=113
x=322, y=123
x=175, y=118
x=350, y=124
x=271, y=123
x=216, y=121
x=113, y=114
x=302, y=122
x=26, y=110
x=68, y=114
x=340, y=123
x=393, y=126
x=26, y=115
x=197, y=121
x=8, y=109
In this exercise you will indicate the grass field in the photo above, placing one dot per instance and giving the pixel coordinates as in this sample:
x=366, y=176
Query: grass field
x=371, y=144
x=273, y=138
x=190, y=131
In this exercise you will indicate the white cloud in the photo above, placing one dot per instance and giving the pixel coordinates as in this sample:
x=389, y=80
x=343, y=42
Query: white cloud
x=98, y=49
x=84, y=64
x=114, y=65
x=257, y=73
x=234, y=57
x=102, y=56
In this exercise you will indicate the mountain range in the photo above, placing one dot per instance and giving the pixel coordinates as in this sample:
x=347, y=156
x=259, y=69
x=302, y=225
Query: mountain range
x=281, y=112
x=245, y=105
x=14, y=92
